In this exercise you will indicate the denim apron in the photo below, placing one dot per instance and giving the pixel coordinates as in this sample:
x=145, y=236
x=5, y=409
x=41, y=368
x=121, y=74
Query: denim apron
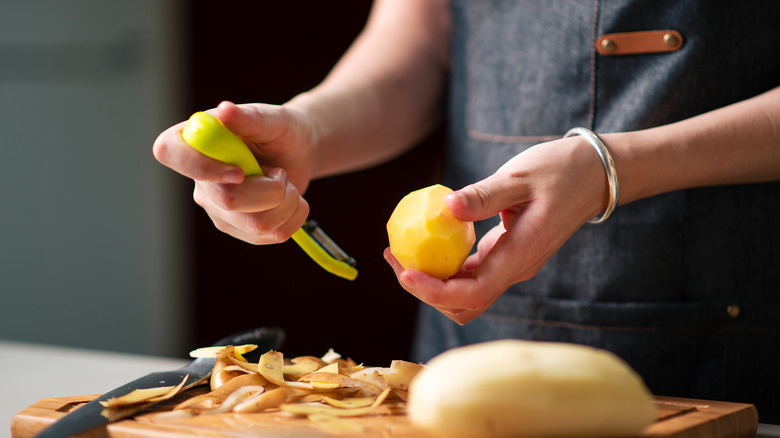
x=684, y=286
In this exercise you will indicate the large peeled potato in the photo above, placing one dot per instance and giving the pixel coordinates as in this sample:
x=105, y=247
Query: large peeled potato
x=513, y=388
x=424, y=235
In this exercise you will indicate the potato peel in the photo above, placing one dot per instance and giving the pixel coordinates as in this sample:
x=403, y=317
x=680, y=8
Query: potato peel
x=300, y=368
x=330, y=368
x=333, y=381
x=247, y=366
x=148, y=395
x=208, y=352
x=225, y=359
x=214, y=398
x=323, y=389
x=260, y=402
x=400, y=374
x=236, y=398
x=330, y=356
x=354, y=402
x=271, y=366
x=321, y=409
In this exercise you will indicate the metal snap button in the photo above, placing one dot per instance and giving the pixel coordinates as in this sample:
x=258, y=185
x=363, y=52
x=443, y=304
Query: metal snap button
x=671, y=39
x=732, y=311
x=608, y=45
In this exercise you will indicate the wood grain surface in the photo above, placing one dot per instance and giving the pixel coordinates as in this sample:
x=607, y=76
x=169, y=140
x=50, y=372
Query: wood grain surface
x=677, y=417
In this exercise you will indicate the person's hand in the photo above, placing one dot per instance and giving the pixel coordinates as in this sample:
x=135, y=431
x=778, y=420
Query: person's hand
x=261, y=209
x=543, y=196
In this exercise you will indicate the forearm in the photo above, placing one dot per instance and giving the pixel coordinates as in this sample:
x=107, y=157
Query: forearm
x=736, y=144
x=387, y=91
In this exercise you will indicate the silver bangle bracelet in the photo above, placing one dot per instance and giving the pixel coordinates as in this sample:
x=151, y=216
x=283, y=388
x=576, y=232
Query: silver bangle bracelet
x=609, y=166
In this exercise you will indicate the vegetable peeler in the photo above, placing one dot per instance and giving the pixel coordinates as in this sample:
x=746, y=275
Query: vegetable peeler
x=211, y=137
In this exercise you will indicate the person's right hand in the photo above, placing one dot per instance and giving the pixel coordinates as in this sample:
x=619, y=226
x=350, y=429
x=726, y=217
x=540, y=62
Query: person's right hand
x=261, y=209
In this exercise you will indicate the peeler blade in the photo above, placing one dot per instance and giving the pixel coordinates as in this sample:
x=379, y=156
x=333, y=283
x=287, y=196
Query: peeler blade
x=319, y=236
x=324, y=251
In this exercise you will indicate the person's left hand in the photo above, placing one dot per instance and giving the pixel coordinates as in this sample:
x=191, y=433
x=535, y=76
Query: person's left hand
x=543, y=196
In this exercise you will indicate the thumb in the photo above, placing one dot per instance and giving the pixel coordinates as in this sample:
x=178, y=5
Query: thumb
x=483, y=199
x=253, y=122
x=231, y=115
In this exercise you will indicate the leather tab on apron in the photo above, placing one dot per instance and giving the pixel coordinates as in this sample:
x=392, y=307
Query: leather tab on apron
x=630, y=43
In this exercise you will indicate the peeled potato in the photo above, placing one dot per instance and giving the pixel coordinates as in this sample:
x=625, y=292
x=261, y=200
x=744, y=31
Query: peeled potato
x=424, y=235
x=513, y=388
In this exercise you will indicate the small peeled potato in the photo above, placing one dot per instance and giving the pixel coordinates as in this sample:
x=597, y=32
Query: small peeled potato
x=424, y=235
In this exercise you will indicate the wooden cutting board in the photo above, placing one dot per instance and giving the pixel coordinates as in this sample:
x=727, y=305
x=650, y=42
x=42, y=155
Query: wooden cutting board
x=677, y=417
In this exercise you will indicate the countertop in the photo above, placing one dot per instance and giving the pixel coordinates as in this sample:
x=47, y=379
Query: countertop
x=31, y=372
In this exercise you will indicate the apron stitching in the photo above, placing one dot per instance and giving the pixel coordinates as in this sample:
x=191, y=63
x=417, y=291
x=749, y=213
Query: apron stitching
x=724, y=374
x=472, y=54
x=538, y=322
x=497, y=138
x=594, y=35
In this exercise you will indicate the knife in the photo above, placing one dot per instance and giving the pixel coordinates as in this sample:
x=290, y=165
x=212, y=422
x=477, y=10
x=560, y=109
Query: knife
x=196, y=372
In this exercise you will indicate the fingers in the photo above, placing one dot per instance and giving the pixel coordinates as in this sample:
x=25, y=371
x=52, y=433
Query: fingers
x=502, y=259
x=262, y=209
x=542, y=195
x=461, y=298
x=170, y=150
x=255, y=194
x=485, y=244
x=408, y=285
x=256, y=229
x=254, y=122
x=245, y=212
x=486, y=198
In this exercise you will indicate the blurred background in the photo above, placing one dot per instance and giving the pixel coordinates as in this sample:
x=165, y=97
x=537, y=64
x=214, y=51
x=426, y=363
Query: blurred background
x=102, y=247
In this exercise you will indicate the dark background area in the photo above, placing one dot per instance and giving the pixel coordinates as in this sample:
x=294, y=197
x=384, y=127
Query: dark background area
x=249, y=51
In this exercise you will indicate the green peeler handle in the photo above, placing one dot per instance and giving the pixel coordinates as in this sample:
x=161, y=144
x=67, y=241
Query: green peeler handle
x=209, y=135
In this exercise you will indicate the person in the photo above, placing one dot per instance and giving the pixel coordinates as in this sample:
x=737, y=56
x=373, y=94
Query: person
x=680, y=281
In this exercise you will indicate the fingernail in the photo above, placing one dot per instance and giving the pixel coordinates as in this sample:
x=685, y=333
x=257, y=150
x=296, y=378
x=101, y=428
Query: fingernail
x=460, y=198
x=277, y=173
x=233, y=176
x=407, y=282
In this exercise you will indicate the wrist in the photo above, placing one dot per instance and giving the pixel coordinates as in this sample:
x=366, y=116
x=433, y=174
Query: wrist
x=302, y=109
x=610, y=170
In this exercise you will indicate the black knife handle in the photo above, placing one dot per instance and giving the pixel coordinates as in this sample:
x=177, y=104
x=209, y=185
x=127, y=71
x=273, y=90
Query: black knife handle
x=90, y=415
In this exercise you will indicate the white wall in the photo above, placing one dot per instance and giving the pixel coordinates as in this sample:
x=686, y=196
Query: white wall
x=91, y=248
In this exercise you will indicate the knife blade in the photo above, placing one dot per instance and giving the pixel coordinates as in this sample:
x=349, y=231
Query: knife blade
x=91, y=414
